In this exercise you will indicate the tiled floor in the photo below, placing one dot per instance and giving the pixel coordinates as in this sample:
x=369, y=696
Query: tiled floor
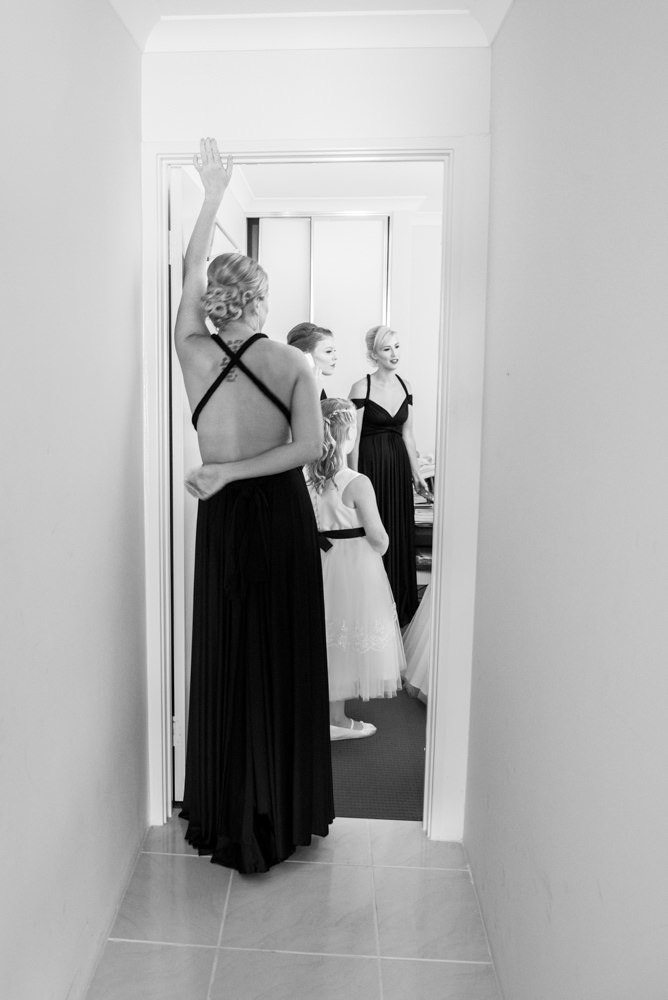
x=375, y=911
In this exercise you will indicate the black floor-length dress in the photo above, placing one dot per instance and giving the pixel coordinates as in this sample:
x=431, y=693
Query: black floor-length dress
x=384, y=459
x=258, y=766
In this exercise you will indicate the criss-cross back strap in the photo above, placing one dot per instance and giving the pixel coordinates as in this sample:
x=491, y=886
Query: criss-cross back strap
x=235, y=361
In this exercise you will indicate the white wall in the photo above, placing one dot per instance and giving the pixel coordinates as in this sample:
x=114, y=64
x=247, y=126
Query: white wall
x=567, y=824
x=274, y=100
x=72, y=689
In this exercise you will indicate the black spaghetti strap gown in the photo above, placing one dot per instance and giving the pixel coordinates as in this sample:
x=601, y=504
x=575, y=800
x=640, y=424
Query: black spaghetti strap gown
x=384, y=459
x=258, y=766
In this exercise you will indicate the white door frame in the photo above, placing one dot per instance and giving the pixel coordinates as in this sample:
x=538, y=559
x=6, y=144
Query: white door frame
x=458, y=445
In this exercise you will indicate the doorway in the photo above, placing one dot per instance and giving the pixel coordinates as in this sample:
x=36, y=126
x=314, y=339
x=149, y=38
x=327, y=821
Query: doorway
x=465, y=192
x=347, y=245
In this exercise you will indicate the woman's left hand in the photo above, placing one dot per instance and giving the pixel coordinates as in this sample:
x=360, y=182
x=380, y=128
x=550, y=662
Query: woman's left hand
x=422, y=489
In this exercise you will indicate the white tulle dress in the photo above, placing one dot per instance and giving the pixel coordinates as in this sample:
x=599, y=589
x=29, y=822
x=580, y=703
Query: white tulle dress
x=416, y=647
x=365, y=653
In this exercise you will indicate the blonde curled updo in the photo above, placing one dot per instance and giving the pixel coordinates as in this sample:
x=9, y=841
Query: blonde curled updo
x=338, y=416
x=233, y=280
x=374, y=339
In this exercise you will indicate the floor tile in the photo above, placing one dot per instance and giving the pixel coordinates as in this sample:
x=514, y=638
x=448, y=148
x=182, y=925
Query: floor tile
x=265, y=975
x=437, y=981
x=428, y=914
x=168, y=839
x=173, y=899
x=346, y=844
x=303, y=907
x=406, y=844
x=130, y=971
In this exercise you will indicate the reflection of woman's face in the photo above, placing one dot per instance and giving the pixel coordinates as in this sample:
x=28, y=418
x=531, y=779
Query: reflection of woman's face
x=324, y=355
x=387, y=354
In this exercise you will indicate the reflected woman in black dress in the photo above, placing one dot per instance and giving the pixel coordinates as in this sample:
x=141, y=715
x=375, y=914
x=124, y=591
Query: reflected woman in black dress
x=317, y=343
x=258, y=770
x=385, y=452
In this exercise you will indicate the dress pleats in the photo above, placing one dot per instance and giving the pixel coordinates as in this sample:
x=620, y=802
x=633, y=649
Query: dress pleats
x=384, y=459
x=258, y=768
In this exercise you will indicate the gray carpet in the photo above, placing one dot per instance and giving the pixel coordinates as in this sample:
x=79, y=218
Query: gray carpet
x=382, y=776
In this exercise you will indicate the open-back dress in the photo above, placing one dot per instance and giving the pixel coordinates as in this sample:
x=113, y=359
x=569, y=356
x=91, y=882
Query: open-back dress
x=384, y=459
x=258, y=768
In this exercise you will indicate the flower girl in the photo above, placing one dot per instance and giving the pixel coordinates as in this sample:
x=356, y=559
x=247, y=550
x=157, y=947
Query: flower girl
x=365, y=653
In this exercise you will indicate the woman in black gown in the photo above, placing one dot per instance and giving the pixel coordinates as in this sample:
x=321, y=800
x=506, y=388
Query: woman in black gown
x=385, y=452
x=258, y=770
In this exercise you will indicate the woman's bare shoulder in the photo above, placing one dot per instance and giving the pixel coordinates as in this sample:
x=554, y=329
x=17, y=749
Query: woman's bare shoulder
x=284, y=358
x=358, y=388
x=280, y=349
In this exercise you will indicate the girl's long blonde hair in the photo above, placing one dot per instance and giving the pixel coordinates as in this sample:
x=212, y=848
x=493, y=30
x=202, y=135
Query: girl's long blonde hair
x=338, y=416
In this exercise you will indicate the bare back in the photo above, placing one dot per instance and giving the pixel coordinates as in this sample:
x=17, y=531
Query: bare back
x=239, y=421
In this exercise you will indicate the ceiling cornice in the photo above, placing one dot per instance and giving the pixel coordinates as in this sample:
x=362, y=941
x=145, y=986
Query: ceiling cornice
x=233, y=25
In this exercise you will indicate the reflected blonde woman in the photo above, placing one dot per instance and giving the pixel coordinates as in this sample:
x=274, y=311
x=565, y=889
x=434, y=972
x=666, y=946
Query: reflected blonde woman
x=385, y=451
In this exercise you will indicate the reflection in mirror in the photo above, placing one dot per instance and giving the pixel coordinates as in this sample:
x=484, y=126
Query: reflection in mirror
x=348, y=246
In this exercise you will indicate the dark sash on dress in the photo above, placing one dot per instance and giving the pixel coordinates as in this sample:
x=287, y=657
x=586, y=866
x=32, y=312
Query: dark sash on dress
x=324, y=536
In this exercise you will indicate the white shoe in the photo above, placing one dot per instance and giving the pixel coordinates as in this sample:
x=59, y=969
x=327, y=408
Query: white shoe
x=350, y=733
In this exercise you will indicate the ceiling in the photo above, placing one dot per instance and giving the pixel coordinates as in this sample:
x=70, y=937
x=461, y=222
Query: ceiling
x=220, y=25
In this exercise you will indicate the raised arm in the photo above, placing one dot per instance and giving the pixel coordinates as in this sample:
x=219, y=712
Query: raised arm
x=215, y=175
x=305, y=446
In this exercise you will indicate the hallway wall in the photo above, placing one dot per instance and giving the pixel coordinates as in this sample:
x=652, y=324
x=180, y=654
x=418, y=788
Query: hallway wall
x=72, y=689
x=567, y=824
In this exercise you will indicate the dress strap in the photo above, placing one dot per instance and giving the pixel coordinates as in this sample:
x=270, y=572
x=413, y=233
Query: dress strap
x=409, y=395
x=344, y=477
x=359, y=402
x=235, y=355
x=235, y=361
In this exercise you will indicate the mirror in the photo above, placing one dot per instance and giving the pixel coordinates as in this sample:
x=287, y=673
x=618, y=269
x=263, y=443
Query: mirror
x=323, y=224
